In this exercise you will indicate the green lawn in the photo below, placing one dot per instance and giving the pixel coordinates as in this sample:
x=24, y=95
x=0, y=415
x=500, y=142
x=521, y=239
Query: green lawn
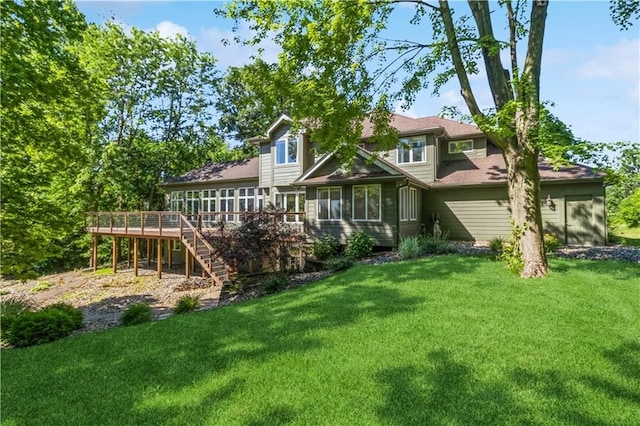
x=444, y=340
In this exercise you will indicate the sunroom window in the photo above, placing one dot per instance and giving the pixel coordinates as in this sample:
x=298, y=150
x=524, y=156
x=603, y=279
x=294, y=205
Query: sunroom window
x=330, y=203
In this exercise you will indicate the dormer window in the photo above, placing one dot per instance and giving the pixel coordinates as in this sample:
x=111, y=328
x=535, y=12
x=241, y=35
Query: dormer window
x=412, y=150
x=287, y=151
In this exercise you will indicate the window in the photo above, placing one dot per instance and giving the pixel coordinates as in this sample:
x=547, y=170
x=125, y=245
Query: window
x=287, y=151
x=208, y=207
x=366, y=202
x=175, y=203
x=456, y=147
x=227, y=203
x=412, y=150
x=291, y=202
x=177, y=246
x=192, y=207
x=260, y=199
x=247, y=199
x=330, y=203
x=408, y=204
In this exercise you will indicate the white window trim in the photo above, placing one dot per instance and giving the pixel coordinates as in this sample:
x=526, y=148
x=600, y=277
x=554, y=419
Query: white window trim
x=177, y=246
x=460, y=141
x=328, y=188
x=366, y=203
x=408, y=206
x=410, y=149
x=286, y=141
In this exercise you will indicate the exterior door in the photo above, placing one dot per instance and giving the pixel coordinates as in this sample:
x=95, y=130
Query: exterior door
x=579, y=211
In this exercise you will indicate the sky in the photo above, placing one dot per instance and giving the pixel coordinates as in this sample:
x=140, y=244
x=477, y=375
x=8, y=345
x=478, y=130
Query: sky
x=590, y=67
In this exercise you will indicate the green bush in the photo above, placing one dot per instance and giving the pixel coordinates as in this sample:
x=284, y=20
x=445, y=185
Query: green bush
x=75, y=314
x=340, y=263
x=410, y=247
x=629, y=209
x=551, y=243
x=275, y=282
x=186, y=304
x=137, y=313
x=46, y=325
x=359, y=245
x=433, y=245
x=497, y=246
x=325, y=247
x=10, y=309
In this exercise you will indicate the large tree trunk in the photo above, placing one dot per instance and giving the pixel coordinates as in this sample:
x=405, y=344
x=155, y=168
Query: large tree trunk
x=524, y=194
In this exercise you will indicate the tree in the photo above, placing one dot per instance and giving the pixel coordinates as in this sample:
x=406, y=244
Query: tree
x=249, y=98
x=49, y=111
x=159, y=108
x=623, y=182
x=350, y=71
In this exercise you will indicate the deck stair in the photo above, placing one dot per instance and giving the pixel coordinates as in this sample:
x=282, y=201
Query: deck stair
x=203, y=253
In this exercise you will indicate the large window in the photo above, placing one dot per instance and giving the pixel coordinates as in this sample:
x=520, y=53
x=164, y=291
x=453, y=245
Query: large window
x=227, y=200
x=247, y=199
x=176, y=201
x=208, y=207
x=408, y=204
x=366, y=202
x=291, y=202
x=330, y=203
x=287, y=151
x=192, y=205
x=456, y=147
x=412, y=150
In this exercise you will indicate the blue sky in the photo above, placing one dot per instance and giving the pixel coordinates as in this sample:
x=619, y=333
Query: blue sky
x=590, y=70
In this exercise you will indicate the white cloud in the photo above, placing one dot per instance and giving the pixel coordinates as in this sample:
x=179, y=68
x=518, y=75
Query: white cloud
x=620, y=62
x=168, y=29
x=235, y=54
x=410, y=112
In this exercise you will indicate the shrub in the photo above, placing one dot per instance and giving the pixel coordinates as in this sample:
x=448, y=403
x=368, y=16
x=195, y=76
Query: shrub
x=497, y=246
x=137, y=313
x=410, y=247
x=325, y=247
x=340, y=263
x=551, y=243
x=275, y=282
x=433, y=245
x=186, y=304
x=629, y=210
x=43, y=326
x=75, y=314
x=511, y=253
x=359, y=245
x=10, y=309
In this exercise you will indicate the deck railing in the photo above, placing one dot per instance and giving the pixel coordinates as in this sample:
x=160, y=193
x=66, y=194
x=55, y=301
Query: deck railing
x=167, y=223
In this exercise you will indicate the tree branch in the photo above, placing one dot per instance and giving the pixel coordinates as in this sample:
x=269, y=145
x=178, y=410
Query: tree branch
x=498, y=82
x=512, y=40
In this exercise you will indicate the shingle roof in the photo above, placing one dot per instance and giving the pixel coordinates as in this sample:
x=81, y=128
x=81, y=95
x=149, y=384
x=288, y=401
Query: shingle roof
x=406, y=124
x=492, y=169
x=233, y=170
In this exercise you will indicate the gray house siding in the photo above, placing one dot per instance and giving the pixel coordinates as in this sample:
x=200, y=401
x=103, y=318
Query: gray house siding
x=383, y=232
x=483, y=213
x=425, y=170
x=266, y=166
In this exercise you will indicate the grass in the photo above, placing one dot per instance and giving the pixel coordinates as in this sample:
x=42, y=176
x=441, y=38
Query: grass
x=443, y=340
x=625, y=235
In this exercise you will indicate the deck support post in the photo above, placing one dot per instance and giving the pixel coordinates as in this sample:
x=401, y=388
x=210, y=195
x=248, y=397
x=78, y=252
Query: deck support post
x=135, y=256
x=129, y=252
x=148, y=252
x=94, y=253
x=170, y=253
x=115, y=254
x=187, y=263
x=159, y=243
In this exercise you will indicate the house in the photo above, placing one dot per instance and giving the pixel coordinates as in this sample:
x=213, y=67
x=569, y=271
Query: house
x=440, y=167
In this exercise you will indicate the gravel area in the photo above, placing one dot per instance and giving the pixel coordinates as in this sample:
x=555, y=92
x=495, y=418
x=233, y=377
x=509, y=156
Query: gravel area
x=103, y=297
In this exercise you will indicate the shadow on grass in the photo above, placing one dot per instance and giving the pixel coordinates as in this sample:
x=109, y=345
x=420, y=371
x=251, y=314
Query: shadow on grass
x=112, y=372
x=445, y=391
